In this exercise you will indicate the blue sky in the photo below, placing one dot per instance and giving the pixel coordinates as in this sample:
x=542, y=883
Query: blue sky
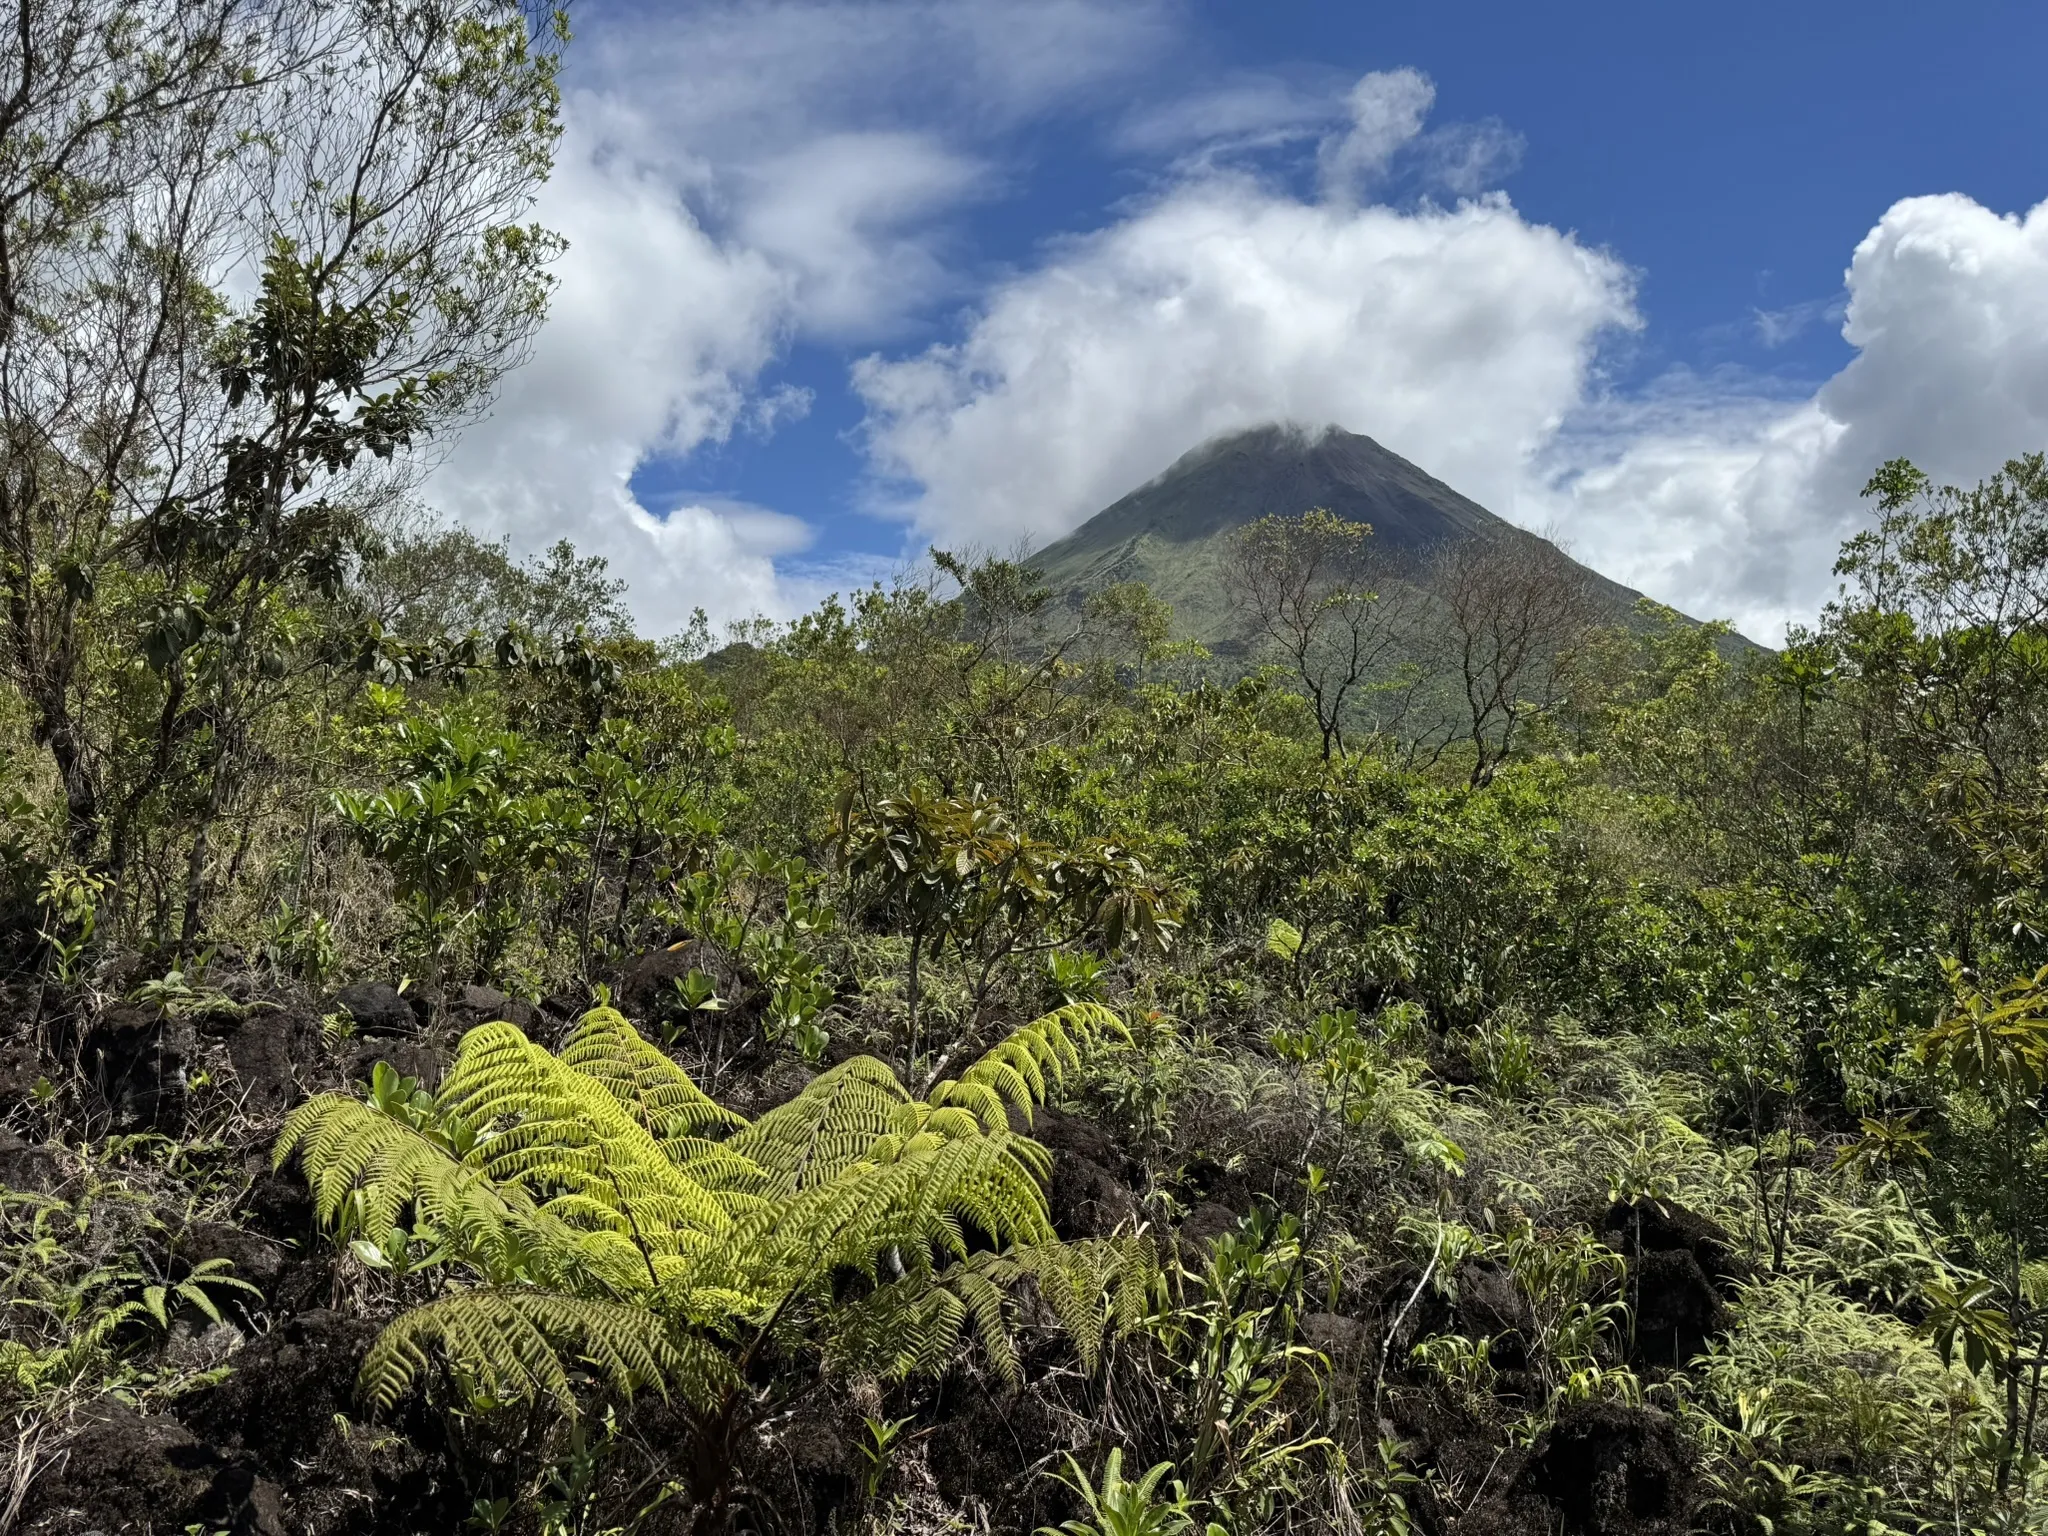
x=849, y=278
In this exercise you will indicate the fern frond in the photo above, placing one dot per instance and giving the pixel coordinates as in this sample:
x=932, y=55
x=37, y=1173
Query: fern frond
x=914, y=1206
x=903, y=1329
x=517, y=1345
x=1096, y=1287
x=619, y=1238
x=1016, y=1072
x=826, y=1129
x=983, y=1300
x=346, y=1146
x=648, y=1086
x=563, y=1138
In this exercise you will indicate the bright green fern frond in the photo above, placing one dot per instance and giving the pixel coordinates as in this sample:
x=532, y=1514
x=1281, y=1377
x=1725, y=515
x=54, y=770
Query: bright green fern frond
x=1095, y=1287
x=903, y=1329
x=916, y=1206
x=561, y=1135
x=1018, y=1070
x=825, y=1129
x=346, y=1146
x=616, y=1235
x=983, y=1299
x=516, y=1345
x=649, y=1087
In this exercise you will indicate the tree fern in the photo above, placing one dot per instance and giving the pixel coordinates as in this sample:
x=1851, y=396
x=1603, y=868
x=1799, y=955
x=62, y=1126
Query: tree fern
x=1097, y=1287
x=516, y=1344
x=1015, y=1072
x=627, y=1229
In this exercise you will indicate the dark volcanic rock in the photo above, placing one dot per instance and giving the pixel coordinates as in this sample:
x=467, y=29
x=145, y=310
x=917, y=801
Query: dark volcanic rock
x=648, y=989
x=1343, y=1341
x=21, y=1068
x=280, y=1400
x=137, y=1057
x=1198, y=1232
x=475, y=1005
x=251, y=1257
x=30, y=1170
x=1602, y=1469
x=124, y=1471
x=1681, y=1270
x=419, y=1059
x=129, y=1472
x=1491, y=1306
x=1664, y=1226
x=985, y=1444
x=1088, y=1197
x=279, y=1205
x=273, y=1053
x=288, y=1413
x=273, y=1450
x=378, y=1008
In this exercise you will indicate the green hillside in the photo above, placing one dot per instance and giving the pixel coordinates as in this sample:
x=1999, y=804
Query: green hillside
x=1171, y=533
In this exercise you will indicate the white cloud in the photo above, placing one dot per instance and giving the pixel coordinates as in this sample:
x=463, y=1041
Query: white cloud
x=655, y=334
x=1775, y=327
x=741, y=176
x=1948, y=306
x=1388, y=108
x=1247, y=110
x=1733, y=503
x=1466, y=339
x=1459, y=337
x=848, y=216
x=736, y=176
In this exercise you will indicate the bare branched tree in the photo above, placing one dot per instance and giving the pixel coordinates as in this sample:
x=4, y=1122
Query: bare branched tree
x=1513, y=607
x=1310, y=586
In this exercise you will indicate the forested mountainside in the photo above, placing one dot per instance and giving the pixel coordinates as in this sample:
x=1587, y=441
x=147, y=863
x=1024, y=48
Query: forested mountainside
x=1400, y=608
x=960, y=1061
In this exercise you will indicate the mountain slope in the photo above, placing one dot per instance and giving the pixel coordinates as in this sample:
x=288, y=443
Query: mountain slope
x=1171, y=533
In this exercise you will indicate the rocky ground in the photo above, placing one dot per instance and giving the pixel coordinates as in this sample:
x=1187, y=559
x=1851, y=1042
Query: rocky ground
x=251, y=1425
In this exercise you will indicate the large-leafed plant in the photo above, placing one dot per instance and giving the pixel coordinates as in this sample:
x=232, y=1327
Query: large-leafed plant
x=607, y=1220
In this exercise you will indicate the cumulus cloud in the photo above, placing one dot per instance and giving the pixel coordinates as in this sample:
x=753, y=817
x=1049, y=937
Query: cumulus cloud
x=736, y=177
x=1466, y=338
x=1727, y=501
x=739, y=177
x=1460, y=337
x=655, y=333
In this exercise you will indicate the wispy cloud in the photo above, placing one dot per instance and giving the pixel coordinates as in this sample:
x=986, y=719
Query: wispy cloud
x=1776, y=327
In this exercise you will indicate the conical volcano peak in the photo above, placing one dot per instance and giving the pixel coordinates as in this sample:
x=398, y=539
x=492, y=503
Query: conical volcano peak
x=1284, y=469
x=1171, y=533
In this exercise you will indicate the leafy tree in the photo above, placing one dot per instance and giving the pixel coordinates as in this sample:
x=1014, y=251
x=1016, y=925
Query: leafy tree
x=460, y=835
x=184, y=478
x=958, y=870
x=1991, y=1049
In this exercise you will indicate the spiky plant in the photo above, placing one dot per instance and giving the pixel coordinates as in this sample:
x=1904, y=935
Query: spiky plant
x=614, y=1221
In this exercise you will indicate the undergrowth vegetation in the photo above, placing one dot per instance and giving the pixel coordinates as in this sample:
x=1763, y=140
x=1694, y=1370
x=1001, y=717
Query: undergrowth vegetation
x=962, y=1060
x=874, y=1076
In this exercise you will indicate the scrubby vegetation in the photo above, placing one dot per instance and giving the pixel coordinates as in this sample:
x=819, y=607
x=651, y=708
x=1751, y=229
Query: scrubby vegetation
x=956, y=1061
